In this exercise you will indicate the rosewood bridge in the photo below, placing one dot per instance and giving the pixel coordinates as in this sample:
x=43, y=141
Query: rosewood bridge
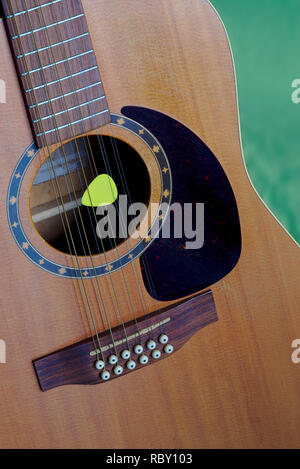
x=159, y=334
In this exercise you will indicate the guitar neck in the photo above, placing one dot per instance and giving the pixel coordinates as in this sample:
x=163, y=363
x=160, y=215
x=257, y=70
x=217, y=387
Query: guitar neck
x=57, y=67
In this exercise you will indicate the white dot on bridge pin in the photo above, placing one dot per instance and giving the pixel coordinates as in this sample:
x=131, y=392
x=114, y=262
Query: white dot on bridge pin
x=113, y=359
x=131, y=365
x=156, y=354
x=99, y=364
x=105, y=375
x=163, y=339
x=151, y=344
x=118, y=370
x=138, y=349
x=143, y=359
x=125, y=354
x=168, y=348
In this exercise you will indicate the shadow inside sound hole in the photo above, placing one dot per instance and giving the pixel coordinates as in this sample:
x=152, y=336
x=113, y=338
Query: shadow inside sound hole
x=60, y=183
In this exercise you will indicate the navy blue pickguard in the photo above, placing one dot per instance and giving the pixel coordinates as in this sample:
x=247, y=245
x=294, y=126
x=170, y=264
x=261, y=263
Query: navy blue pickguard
x=197, y=176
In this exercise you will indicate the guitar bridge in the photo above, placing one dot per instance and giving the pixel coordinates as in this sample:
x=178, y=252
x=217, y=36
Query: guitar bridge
x=147, y=340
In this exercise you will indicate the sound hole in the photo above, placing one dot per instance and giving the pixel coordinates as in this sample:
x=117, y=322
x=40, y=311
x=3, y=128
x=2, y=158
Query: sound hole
x=59, y=208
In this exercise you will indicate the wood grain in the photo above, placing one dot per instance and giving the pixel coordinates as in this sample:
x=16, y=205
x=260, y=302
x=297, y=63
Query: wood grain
x=57, y=66
x=75, y=364
x=243, y=389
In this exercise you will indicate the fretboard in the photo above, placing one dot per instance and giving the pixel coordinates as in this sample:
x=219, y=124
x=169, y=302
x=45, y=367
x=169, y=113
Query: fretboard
x=57, y=66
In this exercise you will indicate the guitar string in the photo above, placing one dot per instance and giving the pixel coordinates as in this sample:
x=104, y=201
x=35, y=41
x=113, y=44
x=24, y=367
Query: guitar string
x=77, y=224
x=101, y=143
x=108, y=170
x=38, y=55
x=44, y=150
x=92, y=154
x=143, y=261
x=141, y=296
x=85, y=253
x=123, y=178
x=96, y=220
x=87, y=305
x=76, y=200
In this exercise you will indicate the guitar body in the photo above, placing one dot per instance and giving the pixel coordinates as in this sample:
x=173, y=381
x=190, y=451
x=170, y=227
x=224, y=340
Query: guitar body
x=233, y=384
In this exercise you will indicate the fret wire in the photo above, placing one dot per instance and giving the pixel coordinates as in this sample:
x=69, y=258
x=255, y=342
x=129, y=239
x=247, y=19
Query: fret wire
x=92, y=258
x=88, y=310
x=47, y=26
x=60, y=31
x=62, y=79
x=70, y=109
x=73, y=123
x=67, y=94
x=32, y=9
x=45, y=67
x=52, y=45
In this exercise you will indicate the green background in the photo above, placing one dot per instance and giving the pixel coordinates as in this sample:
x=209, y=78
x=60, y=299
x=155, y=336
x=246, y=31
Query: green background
x=265, y=39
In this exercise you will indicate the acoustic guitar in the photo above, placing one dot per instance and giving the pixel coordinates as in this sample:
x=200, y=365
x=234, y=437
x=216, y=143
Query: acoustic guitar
x=142, y=338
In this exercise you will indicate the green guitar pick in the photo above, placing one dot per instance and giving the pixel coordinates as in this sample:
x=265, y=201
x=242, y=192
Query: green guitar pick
x=101, y=191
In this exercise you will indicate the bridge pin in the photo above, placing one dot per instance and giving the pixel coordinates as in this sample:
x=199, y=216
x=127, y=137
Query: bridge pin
x=138, y=349
x=113, y=359
x=125, y=354
x=99, y=364
x=105, y=375
x=156, y=354
x=151, y=344
x=163, y=339
x=131, y=365
x=143, y=359
x=118, y=370
x=168, y=348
